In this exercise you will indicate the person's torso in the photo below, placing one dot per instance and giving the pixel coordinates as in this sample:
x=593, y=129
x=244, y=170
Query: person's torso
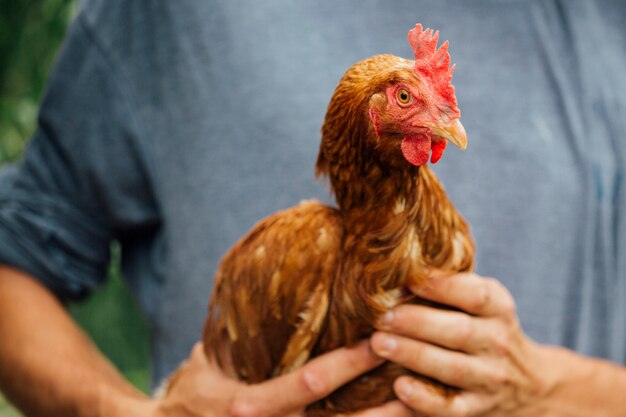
x=231, y=96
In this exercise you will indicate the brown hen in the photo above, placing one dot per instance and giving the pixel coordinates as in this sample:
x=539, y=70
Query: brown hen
x=313, y=278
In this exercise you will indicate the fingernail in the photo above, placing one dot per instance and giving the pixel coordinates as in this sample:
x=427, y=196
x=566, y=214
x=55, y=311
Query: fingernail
x=387, y=345
x=406, y=389
x=386, y=320
x=313, y=383
x=390, y=344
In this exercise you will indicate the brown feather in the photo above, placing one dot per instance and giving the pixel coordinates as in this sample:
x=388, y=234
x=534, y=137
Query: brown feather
x=271, y=291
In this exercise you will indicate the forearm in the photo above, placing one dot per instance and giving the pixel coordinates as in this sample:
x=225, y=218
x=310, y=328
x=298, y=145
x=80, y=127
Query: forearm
x=581, y=386
x=47, y=364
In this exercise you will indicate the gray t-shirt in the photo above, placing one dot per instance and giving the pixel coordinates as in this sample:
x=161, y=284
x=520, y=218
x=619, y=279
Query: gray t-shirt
x=174, y=126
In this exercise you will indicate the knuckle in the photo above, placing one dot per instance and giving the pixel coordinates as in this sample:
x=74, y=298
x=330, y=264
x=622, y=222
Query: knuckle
x=459, y=372
x=505, y=299
x=499, y=378
x=197, y=348
x=243, y=407
x=314, y=384
x=503, y=343
x=509, y=309
x=483, y=297
x=197, y=354
x=464, y=331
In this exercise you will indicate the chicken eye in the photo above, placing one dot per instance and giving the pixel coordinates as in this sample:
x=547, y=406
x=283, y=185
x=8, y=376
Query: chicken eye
x=403, y=97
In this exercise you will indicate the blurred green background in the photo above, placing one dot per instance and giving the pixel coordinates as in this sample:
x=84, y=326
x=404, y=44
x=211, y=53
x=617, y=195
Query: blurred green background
x=30, y=35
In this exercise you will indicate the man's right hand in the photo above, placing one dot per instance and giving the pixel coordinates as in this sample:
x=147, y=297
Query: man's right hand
x=202, y=389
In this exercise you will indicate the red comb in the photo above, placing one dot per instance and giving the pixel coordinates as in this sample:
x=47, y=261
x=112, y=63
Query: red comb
x=433, y=63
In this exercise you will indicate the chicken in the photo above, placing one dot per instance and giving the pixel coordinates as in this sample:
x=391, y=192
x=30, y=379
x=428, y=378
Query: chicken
x=312, y=278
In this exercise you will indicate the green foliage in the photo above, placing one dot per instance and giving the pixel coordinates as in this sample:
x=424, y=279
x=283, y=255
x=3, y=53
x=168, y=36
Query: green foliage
x=30, y=33
x=6, y=410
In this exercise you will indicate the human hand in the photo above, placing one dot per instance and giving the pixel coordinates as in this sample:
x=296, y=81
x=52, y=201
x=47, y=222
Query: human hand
x=480, y=349
x=201, y=388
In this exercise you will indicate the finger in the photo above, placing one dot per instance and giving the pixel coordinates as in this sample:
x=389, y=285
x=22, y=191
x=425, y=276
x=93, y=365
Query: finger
x=390, y=409
x=197, y=356
x=312, y=382
x=469, y=292
x=420, y=398
x=450, y=329
x=450, y=367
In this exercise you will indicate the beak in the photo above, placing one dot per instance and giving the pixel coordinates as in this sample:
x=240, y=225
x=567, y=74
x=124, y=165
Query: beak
x=453, y=132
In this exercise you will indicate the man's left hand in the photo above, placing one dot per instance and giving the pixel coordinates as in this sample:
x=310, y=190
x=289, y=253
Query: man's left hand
x=479, y=349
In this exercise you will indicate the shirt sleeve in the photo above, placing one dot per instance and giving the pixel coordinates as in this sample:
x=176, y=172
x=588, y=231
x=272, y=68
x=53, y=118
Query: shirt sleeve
x=83, y=180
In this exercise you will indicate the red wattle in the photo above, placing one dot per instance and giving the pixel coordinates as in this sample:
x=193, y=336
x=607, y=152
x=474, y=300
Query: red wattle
x=416, y=149
x=438, y=148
